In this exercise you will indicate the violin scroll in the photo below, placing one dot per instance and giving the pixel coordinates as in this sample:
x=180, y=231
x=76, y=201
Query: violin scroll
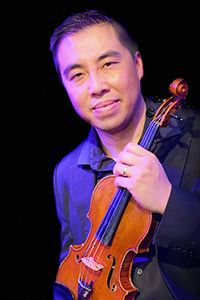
x=179, y=88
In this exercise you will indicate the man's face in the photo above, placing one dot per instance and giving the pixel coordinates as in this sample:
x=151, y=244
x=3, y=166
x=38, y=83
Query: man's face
x=101, y=78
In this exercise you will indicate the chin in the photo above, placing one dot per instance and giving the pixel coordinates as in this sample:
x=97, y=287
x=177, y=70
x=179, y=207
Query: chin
x=110, y=128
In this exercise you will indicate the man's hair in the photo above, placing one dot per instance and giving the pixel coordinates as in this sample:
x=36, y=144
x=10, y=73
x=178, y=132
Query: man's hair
x=80, y=21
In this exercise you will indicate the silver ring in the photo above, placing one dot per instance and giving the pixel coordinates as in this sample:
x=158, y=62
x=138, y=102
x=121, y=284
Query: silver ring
x=125, y=170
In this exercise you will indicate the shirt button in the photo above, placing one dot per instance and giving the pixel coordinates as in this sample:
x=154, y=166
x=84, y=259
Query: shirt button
x=139, y=271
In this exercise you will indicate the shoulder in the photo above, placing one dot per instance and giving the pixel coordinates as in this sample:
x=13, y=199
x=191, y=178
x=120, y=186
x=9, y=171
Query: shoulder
x=191, y=120
x=190, y=113
x=72, y=156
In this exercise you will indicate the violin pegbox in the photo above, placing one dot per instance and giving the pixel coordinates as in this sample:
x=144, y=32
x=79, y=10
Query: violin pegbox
x=179, y=90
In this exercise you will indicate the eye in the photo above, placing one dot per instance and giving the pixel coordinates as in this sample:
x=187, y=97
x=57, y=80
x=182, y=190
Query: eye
x=76, y=76
x=108, y=64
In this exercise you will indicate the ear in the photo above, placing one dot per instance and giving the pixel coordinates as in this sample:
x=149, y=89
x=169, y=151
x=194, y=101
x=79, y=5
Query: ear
x=139, y=65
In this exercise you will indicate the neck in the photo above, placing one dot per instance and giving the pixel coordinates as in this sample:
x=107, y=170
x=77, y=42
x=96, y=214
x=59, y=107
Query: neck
x=113, y=144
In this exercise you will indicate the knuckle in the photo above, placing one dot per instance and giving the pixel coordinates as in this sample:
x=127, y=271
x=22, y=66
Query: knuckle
x=130, y=146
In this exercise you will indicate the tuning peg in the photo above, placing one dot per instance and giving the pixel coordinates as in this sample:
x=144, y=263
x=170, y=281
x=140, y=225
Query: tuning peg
x=150, y=112
x=176, y=117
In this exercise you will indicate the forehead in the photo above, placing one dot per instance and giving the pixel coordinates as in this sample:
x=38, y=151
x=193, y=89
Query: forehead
x=89, y=43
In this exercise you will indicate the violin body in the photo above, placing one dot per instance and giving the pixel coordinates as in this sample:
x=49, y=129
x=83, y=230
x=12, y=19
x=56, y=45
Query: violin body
x=109, y=272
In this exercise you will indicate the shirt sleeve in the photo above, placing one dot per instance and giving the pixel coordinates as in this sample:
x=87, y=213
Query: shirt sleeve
x=180, y=225
x=61, y=194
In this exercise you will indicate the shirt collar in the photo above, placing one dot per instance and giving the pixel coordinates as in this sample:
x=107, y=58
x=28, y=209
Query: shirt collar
x=93, y=155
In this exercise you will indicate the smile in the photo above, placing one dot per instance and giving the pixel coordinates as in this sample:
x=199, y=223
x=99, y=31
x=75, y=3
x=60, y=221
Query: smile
x=105, y=106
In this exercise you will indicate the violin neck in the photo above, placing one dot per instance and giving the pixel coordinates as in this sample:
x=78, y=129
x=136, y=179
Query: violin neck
x=149, y=135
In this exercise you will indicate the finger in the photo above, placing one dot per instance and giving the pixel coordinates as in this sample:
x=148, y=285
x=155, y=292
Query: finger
x=129, y=159
x=122, y=181
x=124, y=158
x=122, y=170
x=119, y=169
x=135, y=149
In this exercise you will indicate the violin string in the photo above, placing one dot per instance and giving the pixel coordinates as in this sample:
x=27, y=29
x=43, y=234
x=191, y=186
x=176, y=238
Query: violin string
x=151, y=130
x=109, y=217
x=100, y=242
x=150, y=134
x=146, y=141
x=103, y=230
x=102, y=233
x=112, y=212
x=84, y=270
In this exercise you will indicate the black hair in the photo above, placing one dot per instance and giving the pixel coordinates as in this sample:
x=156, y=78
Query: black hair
x=79, y=21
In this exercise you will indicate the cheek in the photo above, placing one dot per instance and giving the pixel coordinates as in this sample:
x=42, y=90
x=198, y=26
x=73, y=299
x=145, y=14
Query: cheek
x=118, y=81
x=78, y=98
x=133, y=84
x=127, y=81
x=76, y=102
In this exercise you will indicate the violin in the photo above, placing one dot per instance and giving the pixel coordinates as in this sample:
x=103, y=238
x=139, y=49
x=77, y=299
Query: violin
x=100, y=268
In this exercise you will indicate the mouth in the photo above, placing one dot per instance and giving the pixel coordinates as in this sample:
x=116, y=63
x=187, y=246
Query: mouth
x=105, y=105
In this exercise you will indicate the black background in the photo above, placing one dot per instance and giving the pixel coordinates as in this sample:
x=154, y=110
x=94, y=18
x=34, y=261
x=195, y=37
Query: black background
x=39, y=125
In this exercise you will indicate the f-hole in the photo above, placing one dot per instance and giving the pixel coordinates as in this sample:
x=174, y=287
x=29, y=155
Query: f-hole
x=113, y=289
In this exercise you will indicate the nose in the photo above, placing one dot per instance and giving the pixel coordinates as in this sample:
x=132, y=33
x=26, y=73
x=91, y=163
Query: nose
x=97, y=85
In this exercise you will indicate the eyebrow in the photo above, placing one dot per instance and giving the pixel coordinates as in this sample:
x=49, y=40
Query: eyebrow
x=109, y=53
x=71, y=67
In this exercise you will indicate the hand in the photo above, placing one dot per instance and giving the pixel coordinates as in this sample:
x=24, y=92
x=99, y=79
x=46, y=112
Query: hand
x=145, y=177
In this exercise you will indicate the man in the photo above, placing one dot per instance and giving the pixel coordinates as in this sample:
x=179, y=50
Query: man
x=101, y=68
